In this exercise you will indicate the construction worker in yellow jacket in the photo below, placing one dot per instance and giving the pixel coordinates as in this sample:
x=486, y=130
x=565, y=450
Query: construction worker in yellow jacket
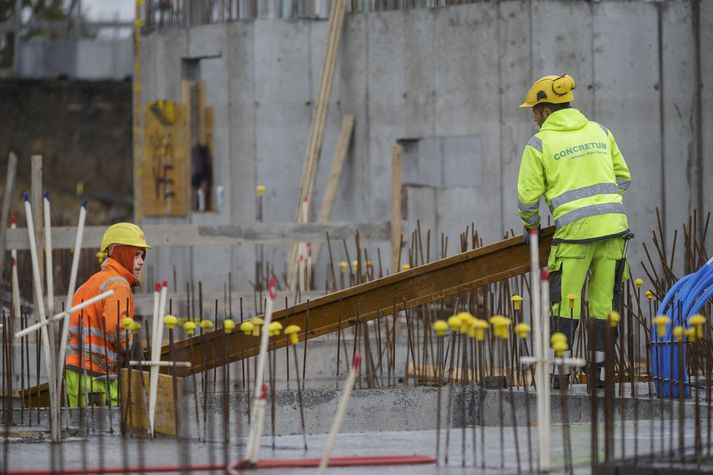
x=576, y=165
x=97, y=336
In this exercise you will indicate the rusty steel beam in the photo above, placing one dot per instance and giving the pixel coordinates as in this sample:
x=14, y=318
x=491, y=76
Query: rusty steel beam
x=423, y=284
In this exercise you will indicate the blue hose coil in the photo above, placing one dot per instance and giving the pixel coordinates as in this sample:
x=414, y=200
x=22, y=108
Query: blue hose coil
x=683, y=300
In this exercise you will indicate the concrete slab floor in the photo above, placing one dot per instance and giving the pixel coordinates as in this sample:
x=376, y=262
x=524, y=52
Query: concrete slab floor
x=35, y=453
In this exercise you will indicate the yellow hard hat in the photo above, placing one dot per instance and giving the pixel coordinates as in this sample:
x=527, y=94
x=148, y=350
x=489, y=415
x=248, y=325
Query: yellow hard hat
x=551, y=89
x=127, y=234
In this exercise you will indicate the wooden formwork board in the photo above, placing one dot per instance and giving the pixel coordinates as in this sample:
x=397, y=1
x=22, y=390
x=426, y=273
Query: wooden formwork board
x=134, y=404
x=381, y=297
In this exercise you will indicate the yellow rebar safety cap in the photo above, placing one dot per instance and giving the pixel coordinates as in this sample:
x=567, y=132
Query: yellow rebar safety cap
x=522, y=330
x=189, y=327
x=697, y=321
x=559, y=347
x=257, y=324
x=440, y=327
x=464, y=321
x=274, y=328
x=454, y=322
x=661, y=321
x=480, y=327
x=170, y=321
x=247, y=328
x=516, y=301
x=571, y=298
x=500, y=325
x=557, y=337
x=551, y=89
x=293, y=332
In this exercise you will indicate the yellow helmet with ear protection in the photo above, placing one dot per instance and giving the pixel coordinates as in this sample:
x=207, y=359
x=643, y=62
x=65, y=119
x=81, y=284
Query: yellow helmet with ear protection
x=551, y=89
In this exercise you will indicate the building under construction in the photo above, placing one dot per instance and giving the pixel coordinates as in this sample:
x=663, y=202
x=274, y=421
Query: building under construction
x=330, y=201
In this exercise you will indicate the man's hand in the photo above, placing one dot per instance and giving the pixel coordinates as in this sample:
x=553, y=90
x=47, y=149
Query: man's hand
x=526, y=234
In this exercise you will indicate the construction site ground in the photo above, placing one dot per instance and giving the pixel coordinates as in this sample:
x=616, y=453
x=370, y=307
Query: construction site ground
x=89, y=446
x=37, y=453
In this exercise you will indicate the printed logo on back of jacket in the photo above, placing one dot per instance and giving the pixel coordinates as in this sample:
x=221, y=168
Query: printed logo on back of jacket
x=581, y=150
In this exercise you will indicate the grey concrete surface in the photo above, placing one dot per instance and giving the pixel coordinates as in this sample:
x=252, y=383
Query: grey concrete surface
x=32, y=451
x=453, y=76
x=380, y=410
x=76, y=59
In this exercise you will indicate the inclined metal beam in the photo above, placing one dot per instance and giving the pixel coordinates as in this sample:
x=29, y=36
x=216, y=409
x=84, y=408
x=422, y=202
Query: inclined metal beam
x=423, y=284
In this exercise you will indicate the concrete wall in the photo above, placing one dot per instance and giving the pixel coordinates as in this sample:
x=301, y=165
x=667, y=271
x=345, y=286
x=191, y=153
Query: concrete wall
x=76, y=59
x=445, y=82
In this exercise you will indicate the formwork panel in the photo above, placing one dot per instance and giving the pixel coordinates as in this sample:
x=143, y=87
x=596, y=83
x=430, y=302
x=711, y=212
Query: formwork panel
x=516, y=125
x=242, y=162
x=705, y=17
x=283, y=113
x=678, y=113
x=351, y=88
x=627, y=102
x=468, y=104
x=386, y=114
x=420, y=73
x=563, y=44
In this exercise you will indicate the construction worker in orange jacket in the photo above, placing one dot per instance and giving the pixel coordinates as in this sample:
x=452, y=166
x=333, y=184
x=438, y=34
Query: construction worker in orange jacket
x=97, y=335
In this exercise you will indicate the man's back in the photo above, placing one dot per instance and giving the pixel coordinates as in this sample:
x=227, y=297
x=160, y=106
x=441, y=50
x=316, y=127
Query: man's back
x=574, y=163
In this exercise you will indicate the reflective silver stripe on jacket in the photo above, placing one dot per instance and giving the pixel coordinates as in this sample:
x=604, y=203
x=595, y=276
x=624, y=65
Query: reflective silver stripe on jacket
x=535, y=143
x=97, y=359
x=109, y=281
x=74, y=330
x=585, y=192
x=531, y=208
x=532, y=220
x=623, y=185
x=76, y=349
x=588, y=211
x=606, y=131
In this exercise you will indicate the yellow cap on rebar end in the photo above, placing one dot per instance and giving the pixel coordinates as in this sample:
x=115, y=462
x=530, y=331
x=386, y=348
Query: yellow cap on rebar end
x=189, y=327
x=293, y=332
x=440, y=327
x=170, y=321
x=247, y=328
x=516, y=301
x=661, y=321
x=522, y=329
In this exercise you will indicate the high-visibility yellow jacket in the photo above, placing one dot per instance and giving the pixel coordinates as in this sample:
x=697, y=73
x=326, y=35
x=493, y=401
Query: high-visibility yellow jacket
x=576, y=165
x=96, y=334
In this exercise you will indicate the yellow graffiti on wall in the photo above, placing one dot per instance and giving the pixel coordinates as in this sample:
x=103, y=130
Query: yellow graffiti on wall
x=165, y=167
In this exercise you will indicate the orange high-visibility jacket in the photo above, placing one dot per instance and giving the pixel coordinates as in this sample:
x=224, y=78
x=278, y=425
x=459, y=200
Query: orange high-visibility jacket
x=96, y=334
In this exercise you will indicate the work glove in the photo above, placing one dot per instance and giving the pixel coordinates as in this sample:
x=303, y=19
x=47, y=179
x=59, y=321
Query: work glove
x=526, y=235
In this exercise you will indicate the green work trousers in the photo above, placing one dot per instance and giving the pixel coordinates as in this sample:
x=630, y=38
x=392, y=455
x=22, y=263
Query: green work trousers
x=78, y=390
x=569, y=265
